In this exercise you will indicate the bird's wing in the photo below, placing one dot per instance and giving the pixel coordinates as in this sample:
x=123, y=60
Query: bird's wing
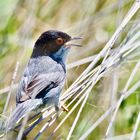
x=31, y=88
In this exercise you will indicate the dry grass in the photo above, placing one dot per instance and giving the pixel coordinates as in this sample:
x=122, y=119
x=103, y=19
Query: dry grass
x=104, y=79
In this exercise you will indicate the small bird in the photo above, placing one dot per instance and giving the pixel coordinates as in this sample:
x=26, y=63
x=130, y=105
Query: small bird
x=45, y=74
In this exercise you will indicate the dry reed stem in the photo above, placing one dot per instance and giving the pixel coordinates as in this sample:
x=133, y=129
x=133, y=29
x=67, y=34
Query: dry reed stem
x=121, y=98
x=133, y=136
x=108, y=112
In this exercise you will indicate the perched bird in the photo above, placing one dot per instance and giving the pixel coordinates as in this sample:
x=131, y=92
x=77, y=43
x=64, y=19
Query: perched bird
x=45, y=74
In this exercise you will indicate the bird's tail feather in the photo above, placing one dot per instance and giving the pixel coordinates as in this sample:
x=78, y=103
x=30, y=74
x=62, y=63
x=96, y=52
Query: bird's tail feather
x=3, y=123
x=22, y=110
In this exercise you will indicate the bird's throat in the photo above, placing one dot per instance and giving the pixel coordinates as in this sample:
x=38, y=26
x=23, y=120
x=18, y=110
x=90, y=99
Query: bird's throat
x=60, y=55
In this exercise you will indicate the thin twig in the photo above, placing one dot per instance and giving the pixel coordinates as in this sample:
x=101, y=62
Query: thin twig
x=105, y=115
x=11, y=87
x=121, y=98
x=135, y=127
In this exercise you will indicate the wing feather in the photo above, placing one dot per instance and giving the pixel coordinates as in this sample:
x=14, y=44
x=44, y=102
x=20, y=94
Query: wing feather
x=39, y=83
x=38, y=77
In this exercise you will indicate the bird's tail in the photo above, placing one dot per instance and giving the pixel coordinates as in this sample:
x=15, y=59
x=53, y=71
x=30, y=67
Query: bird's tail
x=22, y=110
x=3, y=123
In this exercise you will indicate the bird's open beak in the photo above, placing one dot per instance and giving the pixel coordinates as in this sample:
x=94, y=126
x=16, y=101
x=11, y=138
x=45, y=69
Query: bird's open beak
x=71, y=42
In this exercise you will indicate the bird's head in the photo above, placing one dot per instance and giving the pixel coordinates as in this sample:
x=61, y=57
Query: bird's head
x=54, y=43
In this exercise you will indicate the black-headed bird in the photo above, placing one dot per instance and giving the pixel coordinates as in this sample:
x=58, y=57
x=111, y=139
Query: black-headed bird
x=44, y=76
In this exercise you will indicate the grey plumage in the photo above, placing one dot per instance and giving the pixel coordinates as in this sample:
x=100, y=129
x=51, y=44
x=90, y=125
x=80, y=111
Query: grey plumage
x=21, y=110
x=44, y=76
x=42, y=73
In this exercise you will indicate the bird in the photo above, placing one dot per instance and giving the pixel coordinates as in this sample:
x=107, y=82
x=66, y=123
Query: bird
x=44, y=76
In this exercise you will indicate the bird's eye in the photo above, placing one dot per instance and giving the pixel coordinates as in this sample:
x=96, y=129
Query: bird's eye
x=59, y=41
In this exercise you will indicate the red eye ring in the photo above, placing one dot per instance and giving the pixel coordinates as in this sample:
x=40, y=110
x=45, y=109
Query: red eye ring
x=59, y=41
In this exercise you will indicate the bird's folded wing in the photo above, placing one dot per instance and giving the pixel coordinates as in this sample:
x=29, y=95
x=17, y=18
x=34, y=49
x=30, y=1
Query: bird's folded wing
x=38, y=83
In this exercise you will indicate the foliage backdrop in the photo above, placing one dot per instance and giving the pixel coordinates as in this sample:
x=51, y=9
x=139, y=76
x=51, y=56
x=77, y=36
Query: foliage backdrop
x=22, y=21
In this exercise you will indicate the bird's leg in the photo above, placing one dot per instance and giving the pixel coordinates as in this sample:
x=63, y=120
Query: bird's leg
x=60, y=105
x=63, y=106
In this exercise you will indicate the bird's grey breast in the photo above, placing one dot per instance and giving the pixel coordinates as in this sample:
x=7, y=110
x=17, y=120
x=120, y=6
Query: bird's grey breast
x=44, y=64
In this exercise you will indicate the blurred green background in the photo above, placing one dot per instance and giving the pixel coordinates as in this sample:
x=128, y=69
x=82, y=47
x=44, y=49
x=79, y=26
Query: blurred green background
x=22, y=21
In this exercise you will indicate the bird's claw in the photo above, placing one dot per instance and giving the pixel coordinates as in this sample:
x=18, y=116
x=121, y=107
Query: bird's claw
x=64, y=108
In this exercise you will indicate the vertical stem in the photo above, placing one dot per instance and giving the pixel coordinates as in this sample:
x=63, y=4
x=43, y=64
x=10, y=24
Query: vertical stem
x=135, y=127
x=11, y=87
